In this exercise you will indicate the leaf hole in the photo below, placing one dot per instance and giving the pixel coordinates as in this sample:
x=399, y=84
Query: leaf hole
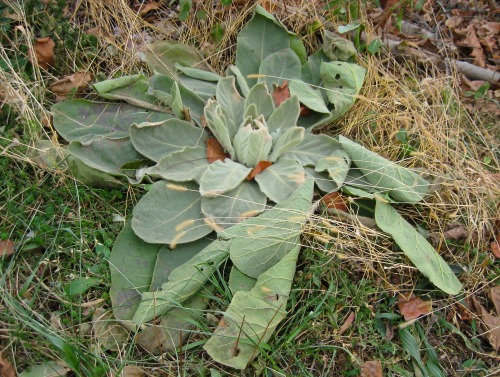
x=337, y=76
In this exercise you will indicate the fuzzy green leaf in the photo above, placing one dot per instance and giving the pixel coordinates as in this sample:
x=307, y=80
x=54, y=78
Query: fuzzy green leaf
x=311, y=68
x=281, y=179
x=246, y=200
x=202, y=89
x=222, y=177
x=260, y=97
x=298, y=47
x=188, y=164
x=286, y=140
x=253, y=145
x=177, y=105
x=241, y=81
x=258, y=243
x=308, y=96
x=218, y=124
x=159, y=140
x=178, y=222
x=90, y=176
x=238, y=281
x=337, y=48
x=86, y=121
x=183, y=282
x=312, y=149
x=259, y=38
x=337, y=165
x=322, y=180
x=416, y=248
x=252, y=316
x=199, y=74
x=231, y=101
x=285, y=115
x=281, y=66
x=401, y=183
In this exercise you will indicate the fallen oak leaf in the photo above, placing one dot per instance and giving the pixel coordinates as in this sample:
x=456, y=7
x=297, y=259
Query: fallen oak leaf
x=44, y=52
x=74, y=83
x=261, y=166
x=413, y=307
x=215, y=151
x=6, y=248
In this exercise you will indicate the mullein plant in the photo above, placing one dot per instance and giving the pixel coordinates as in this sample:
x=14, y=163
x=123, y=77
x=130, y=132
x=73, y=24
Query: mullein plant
x=231, y=164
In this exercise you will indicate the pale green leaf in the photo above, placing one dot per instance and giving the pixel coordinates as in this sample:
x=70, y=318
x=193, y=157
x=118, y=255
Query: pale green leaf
x=342, y=29
x=178, y=222
x=285, y=115
x=298, y=47
x=131, y=89
x=90, y=176
x=246, y=200
x=183, y=282
x=281, y=66
x=260, y=97
x=416, y=248
x=222, y=177
x=85, y=121
x=188, y=164
x=384, y=175
x=252, y=316
x=308, y=96
x=241, y=81
x=218, y=124
x=281, y=179
x=311, y=68
x=159, y=140
x=250, y=114
x=81, y=285
x=202, y=89
x=161, y=57
x=199, y=74
x=337, y=48
x=258, y=39
x=258, y=243
x=286, y=140
x=46, y=369
x=337, y=165
x=322, y=180
x=177, y=105
x=230, y=100
x=312, y=149
x=238, y=281
x=253, y=145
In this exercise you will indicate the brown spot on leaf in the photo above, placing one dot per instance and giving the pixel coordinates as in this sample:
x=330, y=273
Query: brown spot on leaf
x=44, y=52
x=261, y=166
x=413, y=307
x=215, y=151
x=281, y=93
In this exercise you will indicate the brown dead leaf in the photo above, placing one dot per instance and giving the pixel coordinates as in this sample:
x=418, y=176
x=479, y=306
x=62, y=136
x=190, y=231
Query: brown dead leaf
x=495, y=298
x=261, y=166
x=131, y=371
x=215, y=151
x=413, y=307
x=348, y=322
x=74, y=83
x=107, y=330
x=490, y=324
x=6, y=368
x=142, y=9
x=457, y=232
x=495, y=246
x=281, y=93
x=6, y=248
x=335, y=200
x=304, y=111
x=44, y=52
x=371, y=369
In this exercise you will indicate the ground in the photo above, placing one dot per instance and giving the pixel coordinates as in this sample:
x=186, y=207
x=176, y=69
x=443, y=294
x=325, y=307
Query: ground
x=347, y=302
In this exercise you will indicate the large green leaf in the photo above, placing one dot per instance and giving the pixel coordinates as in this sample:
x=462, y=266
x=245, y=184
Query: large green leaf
x=342, y=82
x=337, y=165
x=259, y=38
x=308, y=96
x=252, y=316
x=203, y=89
x=244, y=201
x=222, y=177
x=240, y=80
x=312, y=149
x=310, y=69
x=286, y=140
x=137, y=267
x=284, y=116
x=258, y=243
x=170, y=214
x=160, y=86
x=231, y=101
x=281, y=179
x=90, y=176
x=416, y=248
x=132, y=89
x=322, y=180
x=159, y=140
x=107, y=155
x=86, y=121
x=260, y=97
x=281, y=66
x=183, y=282
x=188, y=164
x=161, y=57
x=238, y=281
x=401, y=183
x=218, y=124
x=253, y=144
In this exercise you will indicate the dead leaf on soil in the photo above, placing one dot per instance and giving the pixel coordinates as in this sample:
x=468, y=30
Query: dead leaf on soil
x=72, y=84
x=261, y=166
x=490, y=324
x=335, y=200
x=348, y=322
x=6, y=248
x=457, y=232
x=281, y=93
x=44, y=52
x=495, y=246
x=142, y=9
x=215, y=151
x=110, y=334
x=131, y=371
x=414, y=307
x=6, y=368
x=371, y=369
